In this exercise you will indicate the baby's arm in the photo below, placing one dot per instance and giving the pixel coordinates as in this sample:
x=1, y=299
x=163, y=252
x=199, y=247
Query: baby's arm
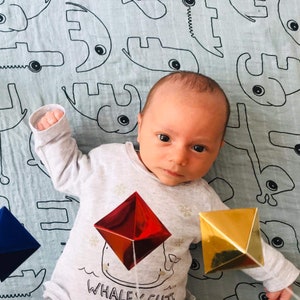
x=57, y=149
x=277, y=274
x=49, y=118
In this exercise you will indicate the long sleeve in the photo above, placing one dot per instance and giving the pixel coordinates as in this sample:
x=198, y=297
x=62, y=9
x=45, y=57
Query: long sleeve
x=277, y=272
x=59, y=152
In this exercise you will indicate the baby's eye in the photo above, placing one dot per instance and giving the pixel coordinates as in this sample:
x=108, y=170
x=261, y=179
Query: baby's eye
x=199, y=148
x=163, y=137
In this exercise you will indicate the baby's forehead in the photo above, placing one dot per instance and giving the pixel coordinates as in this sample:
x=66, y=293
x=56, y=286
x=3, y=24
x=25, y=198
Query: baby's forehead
x=177, y=90
x=173, y=90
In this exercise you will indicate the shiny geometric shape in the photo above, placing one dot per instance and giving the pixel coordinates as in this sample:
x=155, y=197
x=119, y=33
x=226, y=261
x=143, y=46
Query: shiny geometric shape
x=132, y=230
x=231, y=239
x=16, y=243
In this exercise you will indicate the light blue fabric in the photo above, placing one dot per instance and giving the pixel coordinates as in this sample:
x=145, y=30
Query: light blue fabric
x=99, y=59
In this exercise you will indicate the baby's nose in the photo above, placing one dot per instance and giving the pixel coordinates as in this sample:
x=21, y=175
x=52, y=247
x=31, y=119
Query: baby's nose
x=180, y=156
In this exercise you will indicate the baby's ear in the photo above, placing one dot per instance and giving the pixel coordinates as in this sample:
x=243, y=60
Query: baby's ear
x=139, y=116
x=139, y=119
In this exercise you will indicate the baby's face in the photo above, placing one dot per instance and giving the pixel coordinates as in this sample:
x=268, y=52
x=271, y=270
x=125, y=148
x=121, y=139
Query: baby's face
x=181, y=132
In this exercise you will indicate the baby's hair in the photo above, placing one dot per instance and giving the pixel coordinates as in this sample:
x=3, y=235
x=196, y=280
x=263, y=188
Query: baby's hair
x=195, y=81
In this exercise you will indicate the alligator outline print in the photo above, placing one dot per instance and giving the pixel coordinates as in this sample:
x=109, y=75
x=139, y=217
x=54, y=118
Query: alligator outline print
x=199, y=14
x=248, y=291
x=12, y=114
x=276, y=79
x=14, y=14
x=153, y=9
x=289, y=18
x=98, y=50
x=58, y=216
x=286, y=140
x=123, y=113
x=223, y=187
x=267, y=177
x=250, y=9
x=281, y=236
x=154, y=56
x=254, y=290
x=22, y=285
x=20, y=57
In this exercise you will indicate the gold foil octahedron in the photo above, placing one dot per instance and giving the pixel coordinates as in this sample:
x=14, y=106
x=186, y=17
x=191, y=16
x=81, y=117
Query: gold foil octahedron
x=132, y=230
x=231, y=239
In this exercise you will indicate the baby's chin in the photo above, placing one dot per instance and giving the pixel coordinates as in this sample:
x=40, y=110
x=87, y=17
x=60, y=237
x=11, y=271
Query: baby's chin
x=172, y=182
x=179, y=183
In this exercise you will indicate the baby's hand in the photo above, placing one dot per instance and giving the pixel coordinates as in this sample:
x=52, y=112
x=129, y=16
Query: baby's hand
x=49, y=118
x=284, y=294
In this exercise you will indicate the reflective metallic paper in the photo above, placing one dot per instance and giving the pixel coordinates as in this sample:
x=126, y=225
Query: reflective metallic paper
x=16, y=243
x=132, y=230
x=231, y=239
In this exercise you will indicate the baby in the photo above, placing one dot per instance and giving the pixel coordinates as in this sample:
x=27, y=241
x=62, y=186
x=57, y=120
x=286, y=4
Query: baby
x=180, y=133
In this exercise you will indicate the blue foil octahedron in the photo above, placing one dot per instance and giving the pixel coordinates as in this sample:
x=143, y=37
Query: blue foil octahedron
x=16, y=243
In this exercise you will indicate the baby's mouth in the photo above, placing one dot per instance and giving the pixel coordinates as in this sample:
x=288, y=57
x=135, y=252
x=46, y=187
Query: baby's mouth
x=172, y=173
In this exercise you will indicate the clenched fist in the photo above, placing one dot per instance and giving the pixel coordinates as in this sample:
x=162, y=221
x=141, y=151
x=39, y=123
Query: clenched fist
x=49, y=118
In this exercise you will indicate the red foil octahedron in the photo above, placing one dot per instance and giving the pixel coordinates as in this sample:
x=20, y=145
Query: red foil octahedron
x=132, y=230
